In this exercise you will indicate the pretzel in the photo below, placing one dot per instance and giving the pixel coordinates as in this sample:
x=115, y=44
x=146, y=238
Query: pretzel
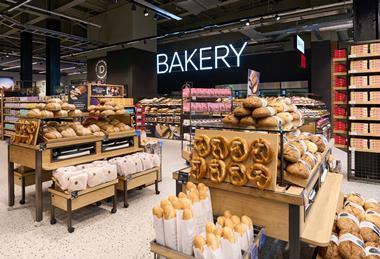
x=202, y=145
x=237, y=173
x=259, y=175
x=219, y=147
x=198, y=168
x=239, y=149
x=30, y=139
x=261, y=151
x=217, y=170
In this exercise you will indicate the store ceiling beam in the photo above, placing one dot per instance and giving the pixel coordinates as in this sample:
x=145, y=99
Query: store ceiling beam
x=158, y=10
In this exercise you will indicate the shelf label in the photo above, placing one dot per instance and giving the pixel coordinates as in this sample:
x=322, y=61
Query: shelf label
x=352, y=118
x=354, y=133
x=352, y=71
x=353, y=56
x=352, y=102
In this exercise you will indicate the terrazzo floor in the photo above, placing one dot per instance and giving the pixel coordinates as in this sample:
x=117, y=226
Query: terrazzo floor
x=98, y=234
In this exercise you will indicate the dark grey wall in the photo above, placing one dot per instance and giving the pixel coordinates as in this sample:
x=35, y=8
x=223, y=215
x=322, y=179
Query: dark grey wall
x=321, y=70
x=366, y=20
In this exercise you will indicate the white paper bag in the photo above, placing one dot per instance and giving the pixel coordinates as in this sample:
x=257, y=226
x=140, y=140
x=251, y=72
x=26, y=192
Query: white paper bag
x=198, y=217
x=109, y=172
x=95, y=176
x=64, y=177
x=230, y=251
x=198, y=254
x=207, y=210
x=158, y=225
x=170, y=231
x=217, y=254
x=179, y=215
x=77, y=182
x=187, y=235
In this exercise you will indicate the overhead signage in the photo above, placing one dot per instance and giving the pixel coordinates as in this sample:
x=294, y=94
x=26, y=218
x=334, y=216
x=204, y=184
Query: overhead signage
x=300, y=44
x=199, y=59
x=101, y=69
x=253, y=82
x=78, y=96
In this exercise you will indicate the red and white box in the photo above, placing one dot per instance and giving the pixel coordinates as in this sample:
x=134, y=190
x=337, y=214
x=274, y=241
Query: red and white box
x=339, y=111
x=359, y=127
x=340, y=125
x=340, y=140
x=359, y=96
x=374, y=128
x=374, y=64
x=374, y=80
x=374, y=48
x=359, y=143
x=359, y=112
x=359, y=65
x=374, y=96
x=374, y=112
x=340, y=68
x=340, y=97
x=340, y=82
x=340, y=53
x=374, y=143
x=359, y=49
x=359, y=80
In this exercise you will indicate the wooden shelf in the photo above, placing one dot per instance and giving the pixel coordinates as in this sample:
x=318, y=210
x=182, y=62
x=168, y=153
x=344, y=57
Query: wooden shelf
x=340, y=88
x=359, y=134
x=364, y=87
x=368, y=55
x=365, y=150
x=340, y=117
x=365, y=103
x=340, y=74
x=340, y=146
x=364, y=119
x=320, y=220
x=368, y=71
x=342, y=103
x=340, y=131
x=339, y=59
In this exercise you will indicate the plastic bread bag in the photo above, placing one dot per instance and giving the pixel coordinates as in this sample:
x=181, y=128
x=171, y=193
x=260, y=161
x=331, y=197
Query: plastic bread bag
x=198, y=213
x=109, y=172
x=64, y=178
x=170, y=227
x=158, y=225
x=230, y=246
x=187, y=232
x=95, y=176
x=77, y=182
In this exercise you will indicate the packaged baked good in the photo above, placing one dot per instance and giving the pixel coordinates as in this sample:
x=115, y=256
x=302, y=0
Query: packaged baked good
x=300, y=145
x=347, y=222
x=300, y=169
x=285, y=116
x=355, y=198
x=351, y=245
x=252, y=102
x=263, y=112
x=331, y=251
x=372, y=204
x=158, y=225
x=310, y=159
x=354, y=209
x=369, y=231
x=372, y=252
x=373, y=216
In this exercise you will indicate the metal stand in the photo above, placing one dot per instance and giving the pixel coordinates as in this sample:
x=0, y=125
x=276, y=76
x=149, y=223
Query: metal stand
x=126, y=205
x=22, y=201
x=70, y=228
x=294, y=232
x=114, y=202
x=11, y=184
x=38, y=186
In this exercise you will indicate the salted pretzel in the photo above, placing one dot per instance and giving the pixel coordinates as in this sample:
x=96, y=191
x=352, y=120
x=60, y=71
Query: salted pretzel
x=198, y=168
x=237, y=173
x=261, y=151
x=217, y=170
x=219, y=147
x=239, y=149
x=259, y=175
x=202, y=145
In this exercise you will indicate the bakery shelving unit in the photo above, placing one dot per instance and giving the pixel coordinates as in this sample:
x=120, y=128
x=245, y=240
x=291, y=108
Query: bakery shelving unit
x=364, y=160
x=191, y=119
x=46, y=156
x=288, y=212
x=339, y=87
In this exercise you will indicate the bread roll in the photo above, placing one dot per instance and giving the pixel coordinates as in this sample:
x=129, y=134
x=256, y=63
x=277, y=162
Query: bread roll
x=228, y=234
x=187, y=214
x=239, y=229
x=228, y=223
x=285, y=116
x=227, y=214
x=177, y=204
x=185, y=203
x=158, y=212
x=241, y=112
x=182, y=195
x=270, y=122
x=252, y=102
x=247, y=121
x=263, y=112
x=190, y=185
x=372, y=204
x=246, y=220
x=164, y=202
x=199, y=242
x=221, y=220
x=65, y=106
x=47, y=114
x=291, y=153
x=231, y=119
x=212, y=241
x=75, y=113
x=169, y=212
x=210, y=227
x=60, y=113
x=355, y=198
x=55, y=100
x=34, y=113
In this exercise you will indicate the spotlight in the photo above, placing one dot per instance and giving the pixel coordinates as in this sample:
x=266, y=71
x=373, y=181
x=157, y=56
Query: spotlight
x=133, y=7
x=277, y=17
x=146, y=13
x=156, y=17
x=247, y=23
x=7, y=56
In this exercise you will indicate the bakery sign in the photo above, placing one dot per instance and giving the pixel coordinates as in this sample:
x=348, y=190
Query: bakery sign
x=206, y=58
x=101, y=69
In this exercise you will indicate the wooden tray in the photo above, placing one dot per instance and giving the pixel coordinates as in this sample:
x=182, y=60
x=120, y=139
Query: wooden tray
x=70, y=139
x=121, y=134
x=273, y=139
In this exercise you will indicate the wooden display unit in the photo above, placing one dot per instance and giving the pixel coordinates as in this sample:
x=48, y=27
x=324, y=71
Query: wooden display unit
x=144, y=178
x=70, y=202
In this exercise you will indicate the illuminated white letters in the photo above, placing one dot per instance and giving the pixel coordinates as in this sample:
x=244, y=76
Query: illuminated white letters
x=206, y=58
x=163, y=63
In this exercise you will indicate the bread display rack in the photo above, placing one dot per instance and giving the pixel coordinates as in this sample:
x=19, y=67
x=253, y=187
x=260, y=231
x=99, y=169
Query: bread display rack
x=364, y=112
x=201, y=107
x=288, y=212
x=46, y=156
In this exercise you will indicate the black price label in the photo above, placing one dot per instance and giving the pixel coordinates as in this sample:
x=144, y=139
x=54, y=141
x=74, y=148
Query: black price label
x=183, y=177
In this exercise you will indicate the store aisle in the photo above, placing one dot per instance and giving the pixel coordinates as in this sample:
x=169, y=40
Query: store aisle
x=98, y=234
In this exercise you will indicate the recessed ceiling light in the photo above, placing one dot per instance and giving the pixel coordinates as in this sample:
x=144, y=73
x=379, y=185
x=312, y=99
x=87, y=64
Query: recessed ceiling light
x=146, y=13
x=277, y=17
x=247, y=23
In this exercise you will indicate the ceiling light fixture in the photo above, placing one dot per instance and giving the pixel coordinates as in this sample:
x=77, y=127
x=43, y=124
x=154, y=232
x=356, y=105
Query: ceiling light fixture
x=160, y=11
x=277, y=17
x=146, y=13
x=247, y=23
x=9, y=68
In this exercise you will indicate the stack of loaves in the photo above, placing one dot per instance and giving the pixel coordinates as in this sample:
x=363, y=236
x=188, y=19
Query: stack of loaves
x=302, y=152
x=266, y=113
x=108, y=125
x=106, y=108
x=55, y=130
x=135, y=163
x=177, y=220
x=356, y=232
x=54, y=108
x=77, y=178
x=226, y=239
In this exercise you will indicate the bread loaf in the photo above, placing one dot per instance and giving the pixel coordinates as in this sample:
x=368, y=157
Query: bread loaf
x=53, y=106
x=34, y=113
x=187, y=214
x=158, y=212
x=199, y=243
x=212, y=241
x=60, y=113
x=75, y=113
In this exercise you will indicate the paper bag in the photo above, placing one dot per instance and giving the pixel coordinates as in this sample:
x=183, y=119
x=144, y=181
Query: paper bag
x=170, y=231
x=230, y=251
x=158, y=225
x=187, y=235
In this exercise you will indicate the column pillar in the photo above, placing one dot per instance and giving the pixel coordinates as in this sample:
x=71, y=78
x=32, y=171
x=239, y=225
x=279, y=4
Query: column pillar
x=52, y=58
x=26, y=60
x=366, y=20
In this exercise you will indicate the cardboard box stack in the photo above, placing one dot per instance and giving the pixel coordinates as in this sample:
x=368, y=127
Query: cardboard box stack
x=374, y=96
x=374, y=64
x=359, y=143
x=359, y=112
x=374, y=128
x=359, y=96
x=374, y=80
x=359, y=81
x=374, y=48
x=374, y=144
x=359, y=127
x=359, y=49
x=359, y=65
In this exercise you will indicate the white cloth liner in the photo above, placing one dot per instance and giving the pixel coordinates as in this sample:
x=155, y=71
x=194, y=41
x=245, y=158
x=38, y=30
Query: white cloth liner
x=158, y=225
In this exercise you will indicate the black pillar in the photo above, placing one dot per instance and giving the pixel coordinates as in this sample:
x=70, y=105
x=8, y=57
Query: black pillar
x=26, y=69
x=366, y=20
x=52, y=58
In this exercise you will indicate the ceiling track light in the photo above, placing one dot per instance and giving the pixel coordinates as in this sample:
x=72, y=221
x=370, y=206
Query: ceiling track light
x=277, y=17
x=247, y=23
x=146, y=13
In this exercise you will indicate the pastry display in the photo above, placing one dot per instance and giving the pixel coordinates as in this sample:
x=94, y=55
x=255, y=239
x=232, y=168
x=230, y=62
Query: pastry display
x=239, y=149
x=106, y=108
x=26, y=131
x=261, y=151
x=217, y=170
x=237, y=174
x=219, y=147
x=198, y=168
x=202, y=145
x=259, y=175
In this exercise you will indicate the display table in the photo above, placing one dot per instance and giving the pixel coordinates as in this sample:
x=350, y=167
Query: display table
x=41, y=157
x=284, y=212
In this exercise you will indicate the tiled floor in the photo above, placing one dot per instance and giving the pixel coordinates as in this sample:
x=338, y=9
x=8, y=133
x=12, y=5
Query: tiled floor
x=98, y=234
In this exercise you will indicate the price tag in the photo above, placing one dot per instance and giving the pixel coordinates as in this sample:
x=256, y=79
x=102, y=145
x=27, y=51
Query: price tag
x=193, y=98
x=354, y=133
x=352, y=102
x=353, y=56
x=352, y=118
x=183, y=177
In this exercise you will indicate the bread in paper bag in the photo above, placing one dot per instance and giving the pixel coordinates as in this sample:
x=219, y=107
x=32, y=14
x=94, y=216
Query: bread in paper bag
x=95, y=176
x=197, y=211
x=158, y=225
x=230, y=246
x=248, y=225
x=77, y=182
x=213, y=249
x=187, y=232
x=199, y=246
x=182, y=195
x=227, y=214
x=63, y=175
x=109, y=172
x=206, y=205
x=170, y=227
